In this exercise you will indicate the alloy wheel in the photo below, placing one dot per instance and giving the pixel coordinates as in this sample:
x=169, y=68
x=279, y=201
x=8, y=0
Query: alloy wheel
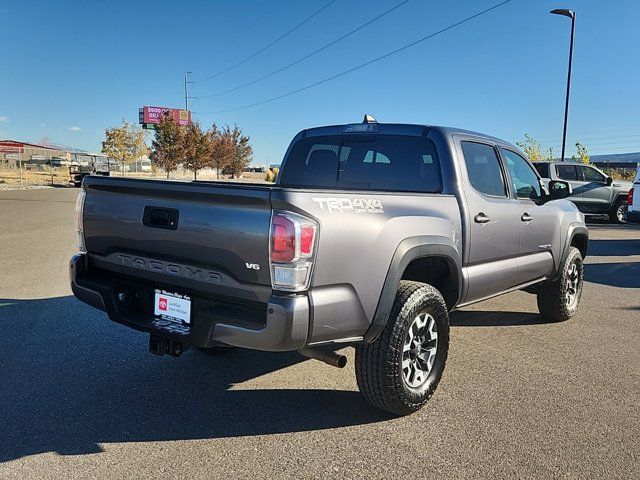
x=419, y=350
x=573, y=285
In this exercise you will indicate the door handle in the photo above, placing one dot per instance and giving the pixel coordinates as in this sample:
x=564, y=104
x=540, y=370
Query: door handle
x=526, y=217
x=481, y=218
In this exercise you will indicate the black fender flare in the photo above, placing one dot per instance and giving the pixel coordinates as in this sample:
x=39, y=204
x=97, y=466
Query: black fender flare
x=408, y=250
x=618, y=197
x=573, y=231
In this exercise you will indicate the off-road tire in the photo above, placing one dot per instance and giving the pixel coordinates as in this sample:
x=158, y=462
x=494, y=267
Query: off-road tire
x=614, y=215
x=552, y=295
x=378, y=365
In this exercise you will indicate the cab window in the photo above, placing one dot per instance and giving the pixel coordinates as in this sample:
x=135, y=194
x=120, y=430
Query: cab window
x=524, y=179
x=483, y=168
x=589, y=174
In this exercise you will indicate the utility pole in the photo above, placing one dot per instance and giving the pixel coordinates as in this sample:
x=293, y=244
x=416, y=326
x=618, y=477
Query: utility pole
x=186, y=90
x=572, y=16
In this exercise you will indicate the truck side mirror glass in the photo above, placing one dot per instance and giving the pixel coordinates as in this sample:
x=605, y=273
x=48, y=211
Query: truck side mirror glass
x=559, y=189
x=609, y=181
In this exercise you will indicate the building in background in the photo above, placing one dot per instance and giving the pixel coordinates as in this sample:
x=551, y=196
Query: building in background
x=14, y=152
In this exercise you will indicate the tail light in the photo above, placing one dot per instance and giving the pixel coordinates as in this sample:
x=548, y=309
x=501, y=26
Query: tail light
x=293, y=245
x=79, y=221
x=630, y=197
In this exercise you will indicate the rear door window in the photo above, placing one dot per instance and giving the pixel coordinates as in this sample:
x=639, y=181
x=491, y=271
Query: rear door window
x=364, y=162
x=483, y=168
x=567, y=172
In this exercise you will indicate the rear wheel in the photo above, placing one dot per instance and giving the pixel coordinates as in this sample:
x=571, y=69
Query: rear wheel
x=400, y=370
x=619, y=212
x=558, y=300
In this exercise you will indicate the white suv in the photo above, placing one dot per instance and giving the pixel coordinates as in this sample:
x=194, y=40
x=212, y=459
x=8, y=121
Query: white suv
x=633, y=209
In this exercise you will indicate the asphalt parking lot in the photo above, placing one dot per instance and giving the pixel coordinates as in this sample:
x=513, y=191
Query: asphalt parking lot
x=80, y=397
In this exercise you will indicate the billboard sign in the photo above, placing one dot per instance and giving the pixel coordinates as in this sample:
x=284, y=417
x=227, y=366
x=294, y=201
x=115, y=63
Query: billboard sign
x=149, y=116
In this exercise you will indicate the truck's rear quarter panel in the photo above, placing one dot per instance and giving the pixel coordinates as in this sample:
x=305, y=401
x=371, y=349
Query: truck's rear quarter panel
x=355, y=249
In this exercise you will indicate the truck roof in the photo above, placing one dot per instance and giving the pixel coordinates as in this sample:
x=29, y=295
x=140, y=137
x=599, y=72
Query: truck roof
x=409, y=129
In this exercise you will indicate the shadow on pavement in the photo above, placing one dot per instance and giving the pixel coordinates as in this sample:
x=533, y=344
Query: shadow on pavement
x=71, y=379
x=624, y=275
x=468, y=318
x=614, y=248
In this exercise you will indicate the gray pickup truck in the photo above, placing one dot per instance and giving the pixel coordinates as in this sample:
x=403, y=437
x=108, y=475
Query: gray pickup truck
x=593, y=191
x=371, y=236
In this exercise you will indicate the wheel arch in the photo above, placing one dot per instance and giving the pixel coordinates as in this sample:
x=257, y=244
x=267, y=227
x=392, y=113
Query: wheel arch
x=619, y=196
x=577, y=236
x=427, y=259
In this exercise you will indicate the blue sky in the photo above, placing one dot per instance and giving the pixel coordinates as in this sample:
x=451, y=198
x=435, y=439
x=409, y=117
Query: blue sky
x=72, y=68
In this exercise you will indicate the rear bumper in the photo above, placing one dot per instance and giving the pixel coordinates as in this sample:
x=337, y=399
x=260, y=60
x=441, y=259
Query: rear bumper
x=280, y=325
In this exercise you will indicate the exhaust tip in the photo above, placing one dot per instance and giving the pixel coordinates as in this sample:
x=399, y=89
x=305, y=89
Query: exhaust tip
x=330, y=358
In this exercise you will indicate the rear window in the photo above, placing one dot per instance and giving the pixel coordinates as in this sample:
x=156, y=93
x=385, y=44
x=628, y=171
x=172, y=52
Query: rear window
x=364, y=162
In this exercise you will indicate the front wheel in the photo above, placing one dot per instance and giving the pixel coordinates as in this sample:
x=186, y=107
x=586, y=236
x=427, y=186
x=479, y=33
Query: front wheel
x=558, y=300
x=400, y=370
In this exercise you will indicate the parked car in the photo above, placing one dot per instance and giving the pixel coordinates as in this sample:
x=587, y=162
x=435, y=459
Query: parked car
x=371, y=236
x=594, y=192
x=633, y=212
x=58, y=162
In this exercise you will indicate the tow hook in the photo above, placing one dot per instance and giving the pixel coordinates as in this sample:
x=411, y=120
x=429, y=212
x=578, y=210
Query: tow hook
x=165, y=346
x=330, y=358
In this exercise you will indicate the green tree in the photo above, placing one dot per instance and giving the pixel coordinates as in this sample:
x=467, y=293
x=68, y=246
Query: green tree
x=581, y=154
x=196, y=148
x=168, y=145
x=531, y=148
x=125, y=143
x=550, y=157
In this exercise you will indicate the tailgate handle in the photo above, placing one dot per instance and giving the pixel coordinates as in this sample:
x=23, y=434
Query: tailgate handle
x=157, y=217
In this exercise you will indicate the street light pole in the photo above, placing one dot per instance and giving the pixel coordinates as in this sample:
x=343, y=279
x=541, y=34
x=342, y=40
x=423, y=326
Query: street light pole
x=572, y=16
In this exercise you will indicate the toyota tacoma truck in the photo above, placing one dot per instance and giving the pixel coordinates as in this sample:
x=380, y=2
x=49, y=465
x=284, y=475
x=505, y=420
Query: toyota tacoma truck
x=371, y=236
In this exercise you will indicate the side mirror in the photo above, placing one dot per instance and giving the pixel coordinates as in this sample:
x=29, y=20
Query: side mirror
x=609, y=181
x=559, y=189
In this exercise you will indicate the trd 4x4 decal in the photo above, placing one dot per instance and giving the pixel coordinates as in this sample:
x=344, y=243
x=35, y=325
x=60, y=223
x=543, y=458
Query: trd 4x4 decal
x=346, y=205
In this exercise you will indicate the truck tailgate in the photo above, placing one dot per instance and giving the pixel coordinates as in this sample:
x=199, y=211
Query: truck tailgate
x=213, y=233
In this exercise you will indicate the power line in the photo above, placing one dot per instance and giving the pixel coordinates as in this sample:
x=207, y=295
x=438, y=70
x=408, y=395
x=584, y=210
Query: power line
x=362, y=65
x=248, y=27
x=301, y=59
x=246, y=59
